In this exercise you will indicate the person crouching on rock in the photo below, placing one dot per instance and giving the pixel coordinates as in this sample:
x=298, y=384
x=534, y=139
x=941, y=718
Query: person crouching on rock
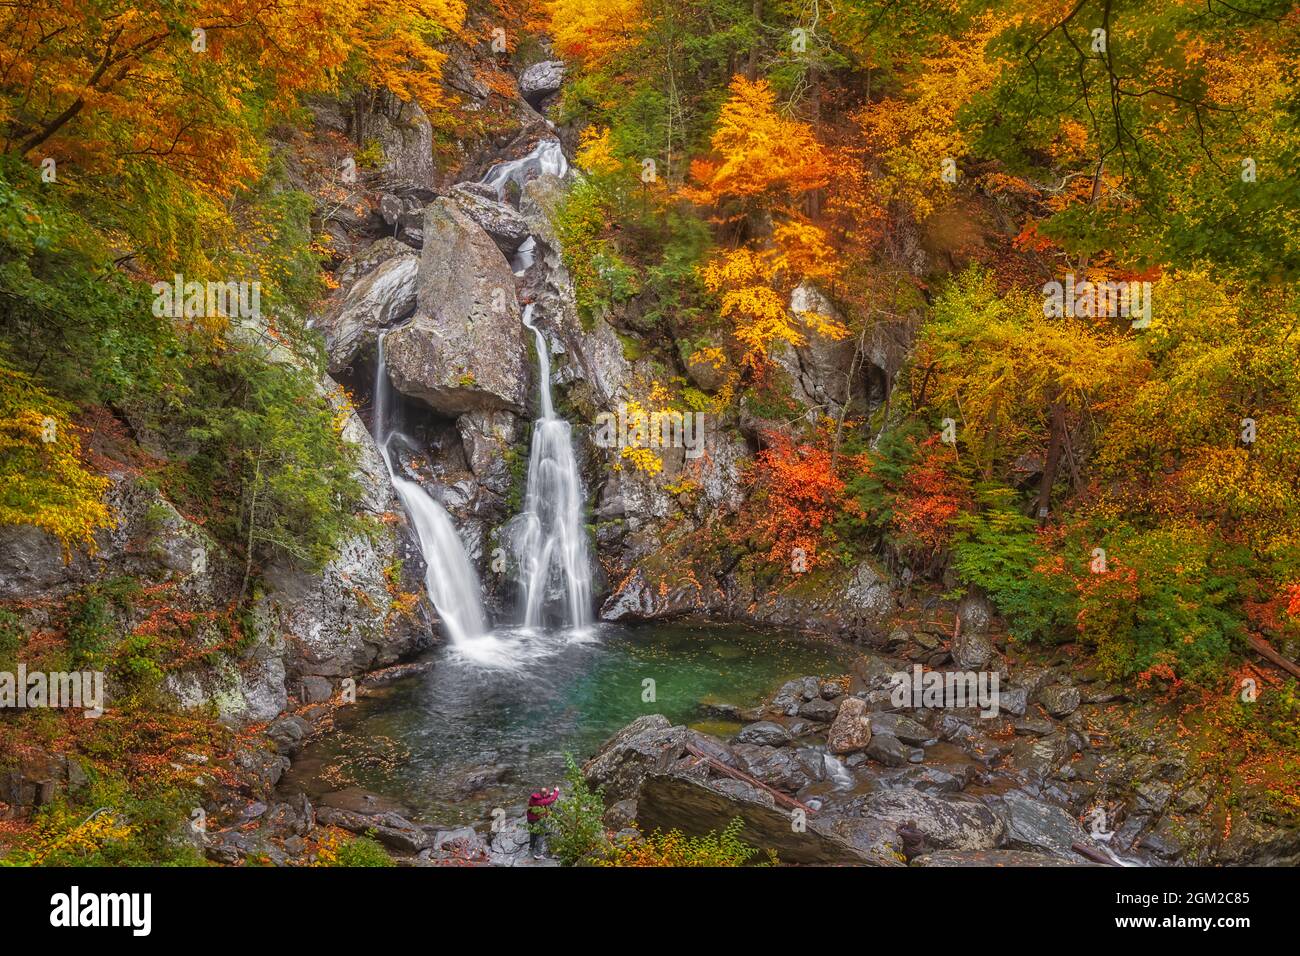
x=539, y=804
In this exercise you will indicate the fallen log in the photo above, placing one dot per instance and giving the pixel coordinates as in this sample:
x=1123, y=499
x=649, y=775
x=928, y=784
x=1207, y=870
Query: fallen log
x=740, y=775
x=1265, y=650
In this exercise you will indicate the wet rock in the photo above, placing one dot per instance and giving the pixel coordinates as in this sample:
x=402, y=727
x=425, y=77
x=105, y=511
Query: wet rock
x=1038, y=758
x=650, y=744
x=889, y=750
x=1013, y=700
x=668, y=802
x=949, y=823
x=997, y=858
x=1035, y=726
x=711, y=747
x=289, y=733
x=315, y=690
x=486, y=437
x=1167, y=840
x=906, y=729
x=971, y=650
x=951, y=779
x=389, y=828
x=831, y=689
x=818, y=709
x=1035, y=825
x=1153, y=797
x=474, y=780
x=764, y=733
x=1059, y=700
x=357, y=800
x=851, y=729
x=723, y=711
x=776, y=767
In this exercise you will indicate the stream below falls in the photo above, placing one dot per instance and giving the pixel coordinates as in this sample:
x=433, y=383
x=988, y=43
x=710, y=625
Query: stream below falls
x=473, y=733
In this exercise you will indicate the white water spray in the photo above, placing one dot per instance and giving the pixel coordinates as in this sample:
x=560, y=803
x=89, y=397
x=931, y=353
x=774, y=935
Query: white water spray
x=449, y=577
x=546, y=157
x=549, y=537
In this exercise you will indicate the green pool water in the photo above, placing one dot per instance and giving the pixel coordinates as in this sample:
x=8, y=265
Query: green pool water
x=480, y=730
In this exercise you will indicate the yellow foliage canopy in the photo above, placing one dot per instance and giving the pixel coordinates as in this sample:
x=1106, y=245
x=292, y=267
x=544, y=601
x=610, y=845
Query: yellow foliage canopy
x=593, y=31
x=763, y=155
x=42, y=479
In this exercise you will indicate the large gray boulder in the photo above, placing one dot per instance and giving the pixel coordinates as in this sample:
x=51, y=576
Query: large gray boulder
x=1039, y=826
x=464, y=349
x=696, y=807
x=380, y=298
x=650, y=744
x=541, y=79
x=949, y=823
x=500, y=221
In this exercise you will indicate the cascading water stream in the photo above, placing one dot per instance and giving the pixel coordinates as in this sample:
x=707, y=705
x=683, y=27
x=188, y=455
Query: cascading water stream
x=449, y=577
x=544, y=158
x=550, y=539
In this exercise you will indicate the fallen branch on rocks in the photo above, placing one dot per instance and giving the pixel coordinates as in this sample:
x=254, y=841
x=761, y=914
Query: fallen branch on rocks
x=1265, y=650
x=1095, y=855
x=740, y=775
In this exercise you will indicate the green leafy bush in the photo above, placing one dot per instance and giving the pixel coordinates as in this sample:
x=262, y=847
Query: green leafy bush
x=577, y=834
x=996, y=549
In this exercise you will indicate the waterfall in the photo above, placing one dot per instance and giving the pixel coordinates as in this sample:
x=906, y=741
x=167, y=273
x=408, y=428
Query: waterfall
x=550, y=540
x=545, y=157
x=837, y=772
x=449, y=577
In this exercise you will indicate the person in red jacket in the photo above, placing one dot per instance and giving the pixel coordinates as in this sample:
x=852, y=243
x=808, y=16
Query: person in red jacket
x=538, y=809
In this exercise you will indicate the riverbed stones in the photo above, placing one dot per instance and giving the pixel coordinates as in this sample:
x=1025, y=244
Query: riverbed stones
x=892, y=752
x=778, y=767
x=906, y=729
x=851, y=729
x=1059, y=700
x=764, y=733
x=819, y=709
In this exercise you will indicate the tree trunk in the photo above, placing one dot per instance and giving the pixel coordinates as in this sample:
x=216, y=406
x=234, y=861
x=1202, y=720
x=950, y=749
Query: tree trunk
x=1054, y=445
x=751, y=68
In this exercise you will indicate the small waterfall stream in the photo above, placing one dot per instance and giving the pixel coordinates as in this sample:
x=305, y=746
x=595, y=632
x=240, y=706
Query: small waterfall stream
x=546, y=157
x=449, y=577
x=549, y=537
